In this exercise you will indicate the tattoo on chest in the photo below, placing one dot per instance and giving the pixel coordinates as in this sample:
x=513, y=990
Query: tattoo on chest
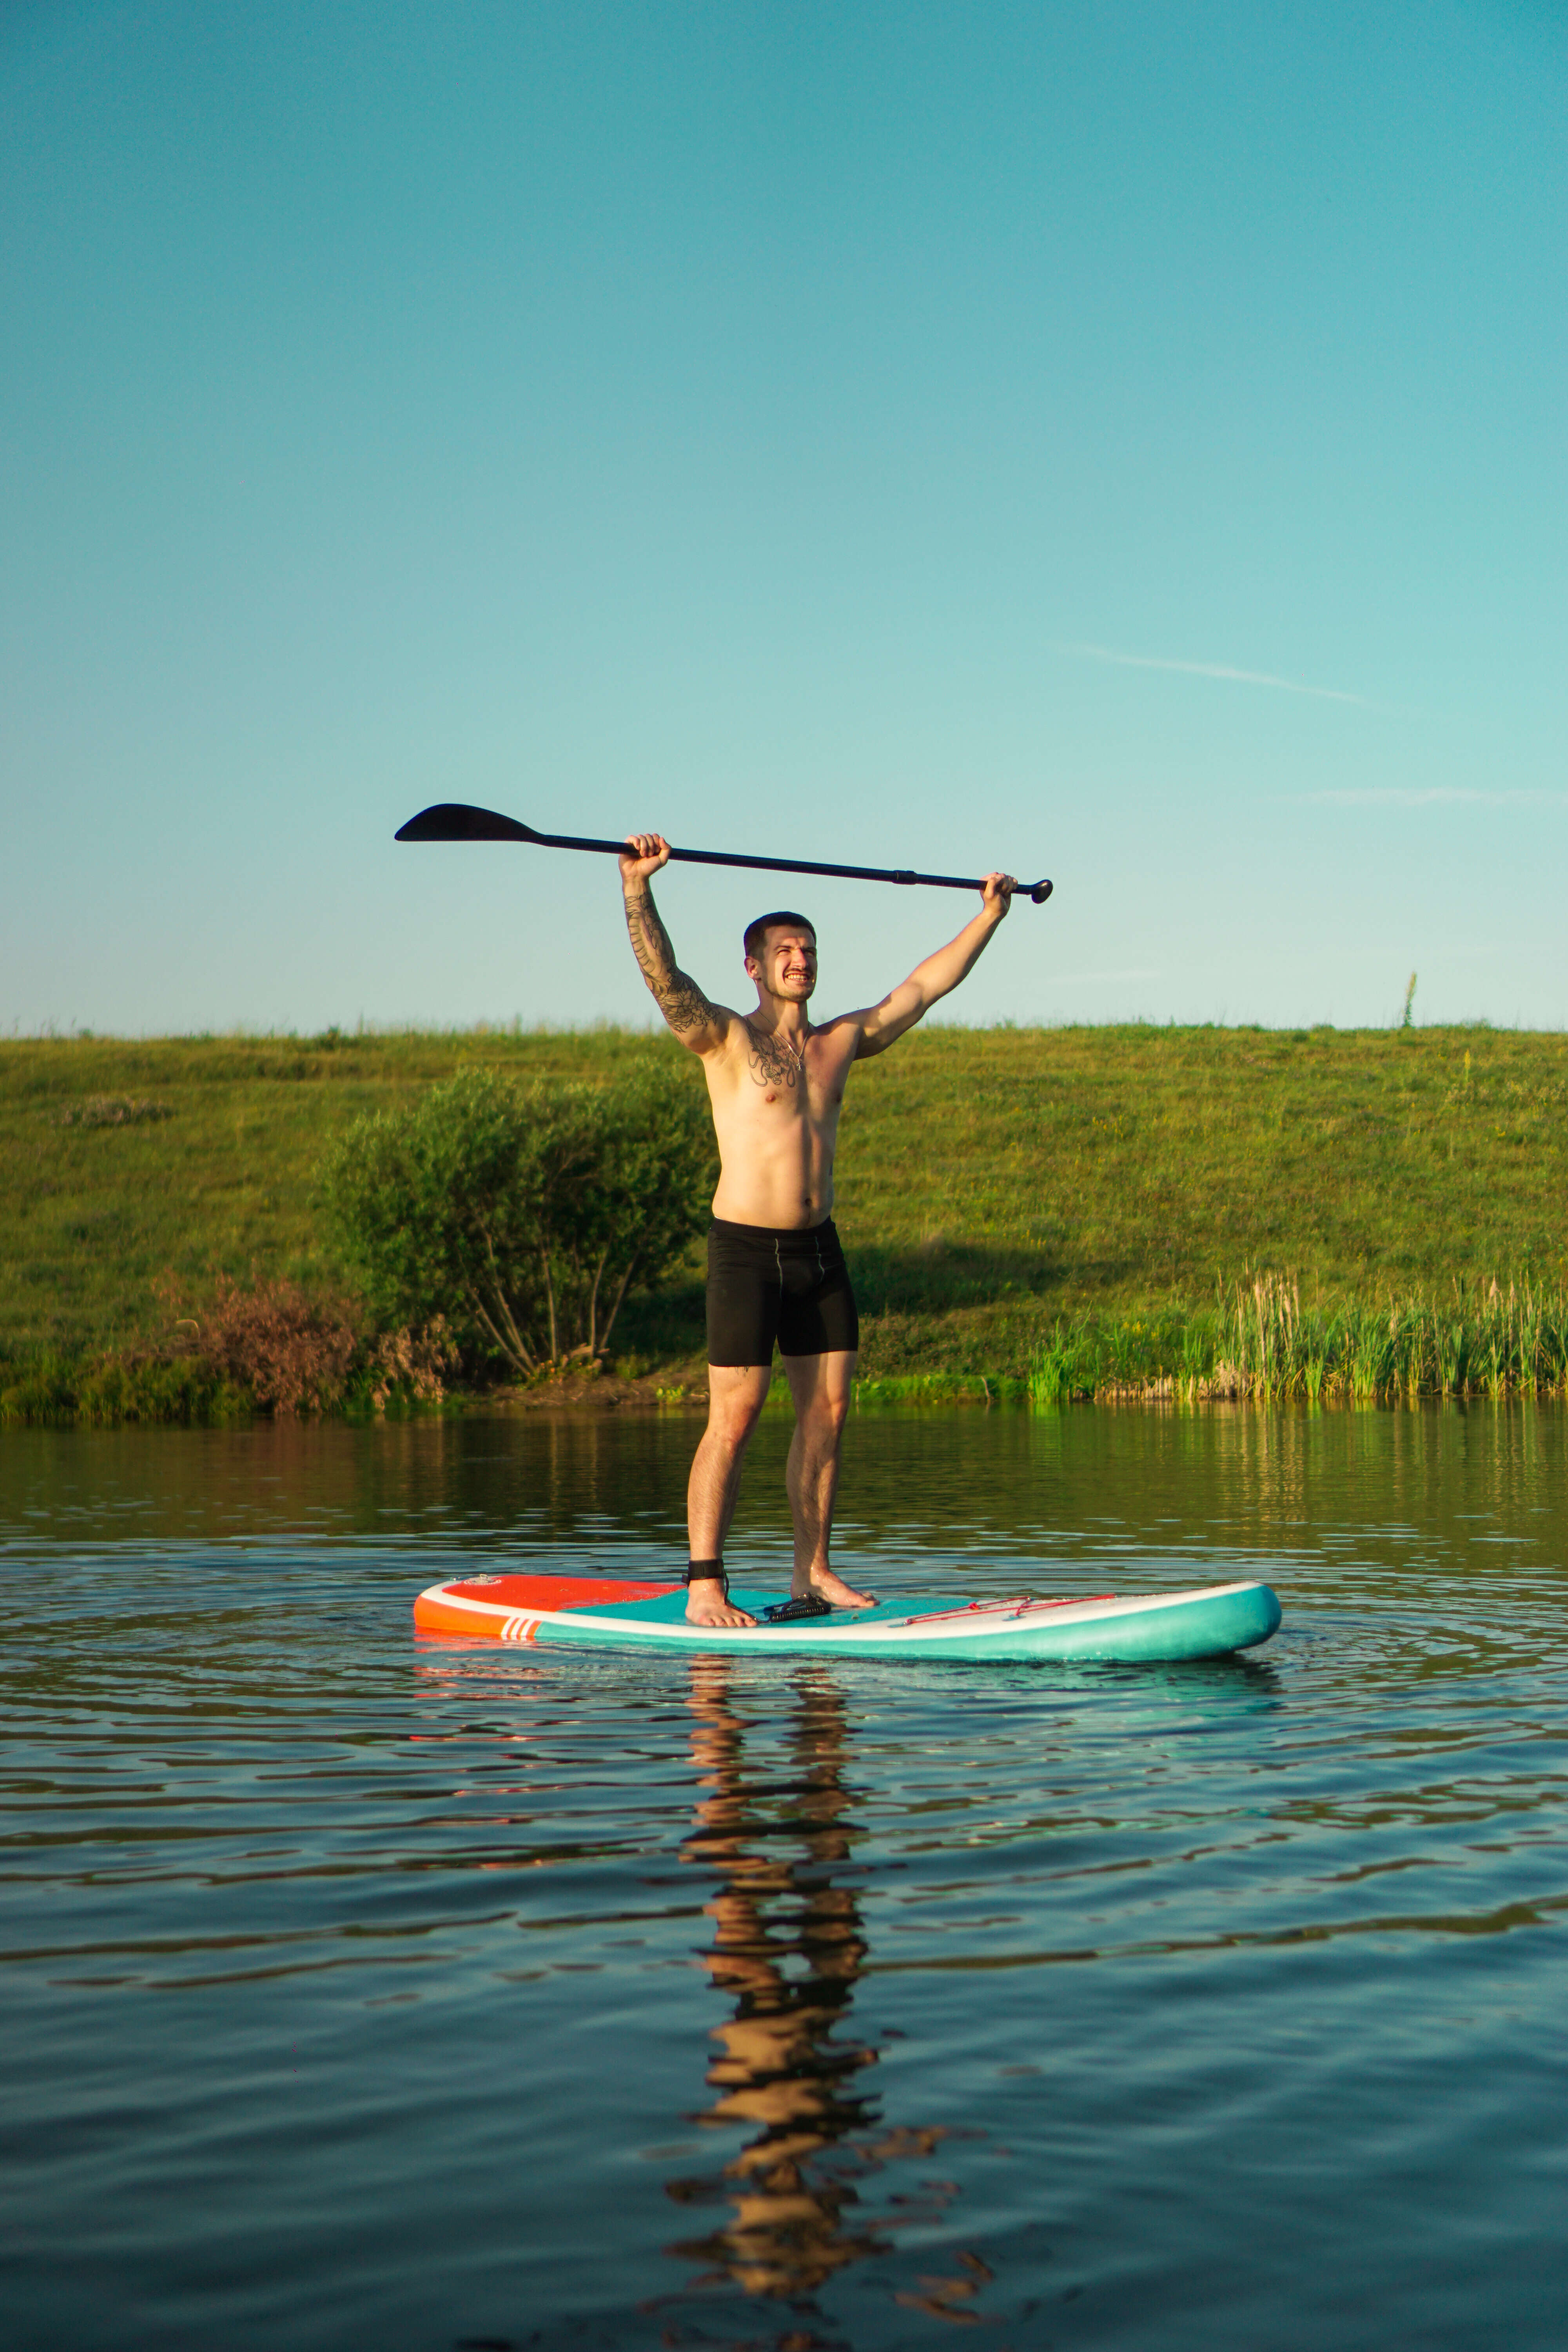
x=770, y=1061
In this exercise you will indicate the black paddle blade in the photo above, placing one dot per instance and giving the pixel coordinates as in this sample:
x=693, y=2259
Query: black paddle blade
x=455, y=821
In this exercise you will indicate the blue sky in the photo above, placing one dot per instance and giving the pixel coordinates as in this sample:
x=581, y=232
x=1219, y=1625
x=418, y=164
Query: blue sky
x=1122, y=441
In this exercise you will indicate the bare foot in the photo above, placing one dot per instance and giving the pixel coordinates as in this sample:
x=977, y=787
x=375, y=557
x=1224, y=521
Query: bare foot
x=833, y=1589
x=706, y=1605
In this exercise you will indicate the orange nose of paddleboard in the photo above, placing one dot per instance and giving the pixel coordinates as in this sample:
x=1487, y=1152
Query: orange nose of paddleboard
x=484, y=1605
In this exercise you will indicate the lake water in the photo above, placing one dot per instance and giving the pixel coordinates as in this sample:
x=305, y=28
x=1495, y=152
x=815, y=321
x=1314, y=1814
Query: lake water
x=364, y=1990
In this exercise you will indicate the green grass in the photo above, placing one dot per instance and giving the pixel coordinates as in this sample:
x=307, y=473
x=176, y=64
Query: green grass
x=1000, y=1190
x=45, y=1386
x=1260, y=1343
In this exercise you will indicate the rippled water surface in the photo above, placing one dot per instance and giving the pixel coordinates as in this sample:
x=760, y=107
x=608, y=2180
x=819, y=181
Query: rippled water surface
x=367, y=1991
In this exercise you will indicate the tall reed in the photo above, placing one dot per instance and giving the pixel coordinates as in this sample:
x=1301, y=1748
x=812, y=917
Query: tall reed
x=1259, y=1341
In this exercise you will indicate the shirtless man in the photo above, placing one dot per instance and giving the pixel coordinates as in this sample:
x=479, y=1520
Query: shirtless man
x=775, y=1269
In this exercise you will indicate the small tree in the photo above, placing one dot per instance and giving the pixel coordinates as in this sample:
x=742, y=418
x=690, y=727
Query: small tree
x=523, y=1214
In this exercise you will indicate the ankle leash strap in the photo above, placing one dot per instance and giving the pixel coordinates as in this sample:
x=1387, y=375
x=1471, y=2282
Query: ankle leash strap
x=707, y=1571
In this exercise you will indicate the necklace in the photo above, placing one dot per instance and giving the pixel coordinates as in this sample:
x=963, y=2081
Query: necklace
x=779, y=1039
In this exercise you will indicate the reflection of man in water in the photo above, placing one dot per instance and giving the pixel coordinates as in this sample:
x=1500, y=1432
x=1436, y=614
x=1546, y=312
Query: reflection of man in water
x=777, y=2066
x=778, y=1847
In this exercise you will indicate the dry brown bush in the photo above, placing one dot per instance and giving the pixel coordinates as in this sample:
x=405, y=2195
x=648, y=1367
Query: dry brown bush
x=419, y=1362
x=293, y=1353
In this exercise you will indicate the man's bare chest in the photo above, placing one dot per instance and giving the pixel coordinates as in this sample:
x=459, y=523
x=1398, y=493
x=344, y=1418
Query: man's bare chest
x=769, y=1077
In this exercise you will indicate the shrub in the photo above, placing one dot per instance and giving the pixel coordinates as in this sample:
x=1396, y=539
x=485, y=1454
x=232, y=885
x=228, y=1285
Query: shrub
x=292, y=1353
x=415, y=1364
x=274, y=1347
x=522, y=1214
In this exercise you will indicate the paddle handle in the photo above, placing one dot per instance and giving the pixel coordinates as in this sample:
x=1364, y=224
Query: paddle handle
x=455, y=821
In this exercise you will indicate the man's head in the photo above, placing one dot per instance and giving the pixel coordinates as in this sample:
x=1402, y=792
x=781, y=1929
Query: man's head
x=780, y=955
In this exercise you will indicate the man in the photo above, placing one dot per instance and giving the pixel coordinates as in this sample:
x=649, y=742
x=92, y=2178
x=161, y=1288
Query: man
x=775, y=1269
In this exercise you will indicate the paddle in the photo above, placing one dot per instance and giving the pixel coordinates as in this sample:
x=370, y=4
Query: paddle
x=455, y=821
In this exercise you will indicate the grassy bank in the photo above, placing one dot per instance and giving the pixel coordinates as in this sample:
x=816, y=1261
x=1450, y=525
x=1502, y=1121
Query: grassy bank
x=1014, y=1199
x=1261, y=1343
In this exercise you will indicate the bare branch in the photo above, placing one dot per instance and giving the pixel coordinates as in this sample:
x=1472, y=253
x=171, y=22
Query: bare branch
x=550, y=1300
x=594, y=1302
x=518, y=1355
x=616, y=1307
x=503, y=1304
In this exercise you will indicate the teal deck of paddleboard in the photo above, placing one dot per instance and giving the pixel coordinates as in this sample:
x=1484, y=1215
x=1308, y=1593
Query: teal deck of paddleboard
x=1196, y=1625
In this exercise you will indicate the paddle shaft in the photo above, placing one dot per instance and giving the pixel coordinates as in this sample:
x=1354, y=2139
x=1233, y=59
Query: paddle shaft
x=455, y=821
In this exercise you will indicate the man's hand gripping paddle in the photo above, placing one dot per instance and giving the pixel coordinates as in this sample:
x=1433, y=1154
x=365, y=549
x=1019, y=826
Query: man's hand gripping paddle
x=455, y=821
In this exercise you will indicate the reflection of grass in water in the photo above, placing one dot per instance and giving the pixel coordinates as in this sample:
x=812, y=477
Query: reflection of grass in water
x=1003, y=1193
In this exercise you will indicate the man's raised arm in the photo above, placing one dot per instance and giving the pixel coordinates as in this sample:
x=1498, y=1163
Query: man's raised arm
x=882, y=1025
x=695, y=1022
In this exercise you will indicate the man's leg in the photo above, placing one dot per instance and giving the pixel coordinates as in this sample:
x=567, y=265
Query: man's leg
x=820, y=1386
x=735, y=1397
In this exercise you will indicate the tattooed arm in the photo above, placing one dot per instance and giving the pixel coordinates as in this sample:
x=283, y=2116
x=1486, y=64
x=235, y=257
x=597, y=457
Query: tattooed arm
x=696, y=1022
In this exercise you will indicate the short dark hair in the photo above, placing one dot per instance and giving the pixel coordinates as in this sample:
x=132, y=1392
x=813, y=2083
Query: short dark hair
x=756, y=934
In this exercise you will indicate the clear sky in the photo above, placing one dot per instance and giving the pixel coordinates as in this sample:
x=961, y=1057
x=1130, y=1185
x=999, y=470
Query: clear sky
x=1120, y=442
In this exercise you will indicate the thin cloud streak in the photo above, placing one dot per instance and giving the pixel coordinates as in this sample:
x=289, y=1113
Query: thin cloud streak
x=1213, y=669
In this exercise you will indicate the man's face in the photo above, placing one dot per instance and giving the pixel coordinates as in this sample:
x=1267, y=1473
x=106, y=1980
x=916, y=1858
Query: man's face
x=787, y=965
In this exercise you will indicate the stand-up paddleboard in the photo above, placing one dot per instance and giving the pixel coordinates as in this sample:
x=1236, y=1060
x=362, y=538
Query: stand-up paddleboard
x=1151, y=1627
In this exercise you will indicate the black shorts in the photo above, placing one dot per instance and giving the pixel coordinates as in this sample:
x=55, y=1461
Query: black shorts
x=765, y=1285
